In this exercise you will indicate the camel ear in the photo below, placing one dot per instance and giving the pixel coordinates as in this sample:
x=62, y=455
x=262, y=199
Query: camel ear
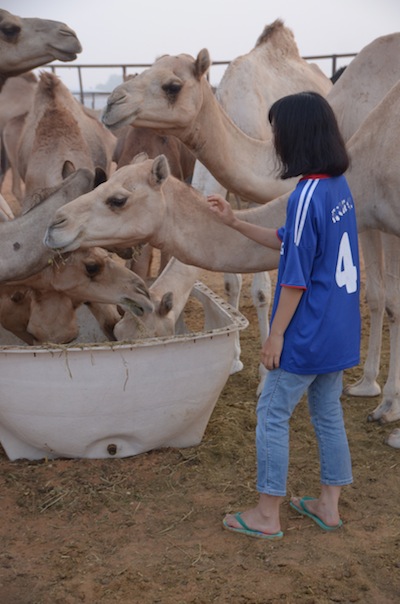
x=159, y=171
x=99, y=177
x=67, y=169
x=139, y=158
x=166, y=304
x=202, y=63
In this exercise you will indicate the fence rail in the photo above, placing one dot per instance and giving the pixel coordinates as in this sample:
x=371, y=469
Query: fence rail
x=86, y=95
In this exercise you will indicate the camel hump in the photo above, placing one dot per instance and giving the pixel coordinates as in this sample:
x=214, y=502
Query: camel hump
x=277, y=35
x=48, y=83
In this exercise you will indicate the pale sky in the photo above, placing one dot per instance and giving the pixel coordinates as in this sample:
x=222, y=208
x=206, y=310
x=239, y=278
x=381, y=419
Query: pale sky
x=129, y=31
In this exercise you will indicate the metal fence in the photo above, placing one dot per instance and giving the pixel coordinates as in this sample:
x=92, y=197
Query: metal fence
x=328, y=63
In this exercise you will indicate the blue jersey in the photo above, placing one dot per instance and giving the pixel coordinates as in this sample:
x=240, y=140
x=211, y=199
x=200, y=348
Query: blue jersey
x=319, y=254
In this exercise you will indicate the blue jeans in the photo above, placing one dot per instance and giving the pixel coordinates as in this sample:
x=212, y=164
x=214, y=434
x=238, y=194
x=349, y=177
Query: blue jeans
x=281, y=393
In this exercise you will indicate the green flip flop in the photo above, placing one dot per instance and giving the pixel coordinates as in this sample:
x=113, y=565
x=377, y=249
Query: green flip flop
x=304, y=512
x=245, y=530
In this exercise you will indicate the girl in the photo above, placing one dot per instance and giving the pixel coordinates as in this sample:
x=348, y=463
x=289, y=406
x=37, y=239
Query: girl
x=315, y=320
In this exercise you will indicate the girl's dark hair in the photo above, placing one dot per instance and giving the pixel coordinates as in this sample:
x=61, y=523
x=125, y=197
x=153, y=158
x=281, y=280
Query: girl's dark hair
x=307, y=139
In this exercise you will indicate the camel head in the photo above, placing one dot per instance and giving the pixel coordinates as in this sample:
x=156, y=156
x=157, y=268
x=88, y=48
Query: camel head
x=166, y=96
x=156, y=324
x=126, y=210
x=28, y=43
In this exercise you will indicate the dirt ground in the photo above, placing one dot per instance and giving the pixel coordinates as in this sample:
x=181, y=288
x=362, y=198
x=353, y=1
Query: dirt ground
x=147, y=529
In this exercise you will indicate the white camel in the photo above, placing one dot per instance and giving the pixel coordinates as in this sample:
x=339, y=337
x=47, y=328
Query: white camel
x=376, y=69
x=174, y=97
x=47, y=302
x=365, y=82
x=58, y=136
x=143, y=202
x=27, y=43
x=249, y=86
x=169, y=294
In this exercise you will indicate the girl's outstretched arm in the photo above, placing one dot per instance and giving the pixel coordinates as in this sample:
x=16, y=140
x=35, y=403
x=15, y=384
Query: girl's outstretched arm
x=262, y=235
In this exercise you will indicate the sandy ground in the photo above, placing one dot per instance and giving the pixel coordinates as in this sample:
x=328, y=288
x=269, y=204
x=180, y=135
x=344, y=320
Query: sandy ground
x=147, y=529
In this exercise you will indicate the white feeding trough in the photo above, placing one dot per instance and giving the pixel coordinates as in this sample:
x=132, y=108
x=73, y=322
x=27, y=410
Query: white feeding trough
x=107, y=400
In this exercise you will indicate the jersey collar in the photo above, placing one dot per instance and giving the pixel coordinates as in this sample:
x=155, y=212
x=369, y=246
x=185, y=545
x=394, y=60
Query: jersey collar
x=315, y=176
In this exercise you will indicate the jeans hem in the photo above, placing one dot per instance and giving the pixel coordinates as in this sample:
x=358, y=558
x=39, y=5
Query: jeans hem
x=263, y=491
x=340, y=483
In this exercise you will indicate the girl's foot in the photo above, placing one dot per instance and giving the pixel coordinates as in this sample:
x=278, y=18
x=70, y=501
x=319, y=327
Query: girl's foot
x=254, y=521
x=326, y=516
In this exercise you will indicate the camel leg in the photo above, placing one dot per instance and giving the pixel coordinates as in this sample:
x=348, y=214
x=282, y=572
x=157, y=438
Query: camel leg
x=261, y=296
x=393, y=440
x=374, y=269
x=232, y=287
x=261, y=291
x=389, y=409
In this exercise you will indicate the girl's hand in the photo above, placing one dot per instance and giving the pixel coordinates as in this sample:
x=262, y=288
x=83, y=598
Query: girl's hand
x=271, y=351
x=222, y=208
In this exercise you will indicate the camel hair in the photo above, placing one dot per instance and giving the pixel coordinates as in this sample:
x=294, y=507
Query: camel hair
x=180, y=104
x=47, y=301
x=27, y=43
x=57, y=137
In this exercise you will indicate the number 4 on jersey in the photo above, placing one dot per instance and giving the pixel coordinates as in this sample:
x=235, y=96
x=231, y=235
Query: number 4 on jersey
x=346, y=271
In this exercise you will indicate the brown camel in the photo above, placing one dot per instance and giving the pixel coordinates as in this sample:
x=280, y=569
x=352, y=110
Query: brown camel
x=47, y=302
x=28, y=43
x=57, y=137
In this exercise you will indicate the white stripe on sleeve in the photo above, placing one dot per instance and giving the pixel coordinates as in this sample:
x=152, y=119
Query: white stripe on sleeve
x=302, y=209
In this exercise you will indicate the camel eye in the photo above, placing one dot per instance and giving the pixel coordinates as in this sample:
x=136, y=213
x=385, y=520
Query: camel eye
x=172, y=89
x=92, y=269
x=116, y=202
x=11, y=31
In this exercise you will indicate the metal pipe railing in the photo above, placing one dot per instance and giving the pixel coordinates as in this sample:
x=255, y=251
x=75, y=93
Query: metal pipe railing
x=83, y=94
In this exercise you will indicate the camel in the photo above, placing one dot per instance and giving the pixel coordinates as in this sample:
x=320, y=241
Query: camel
x=180, y=79
x=22, y=252
x=15, y=99
x=27, y=43
x=252, y=82
x=48, y=301
x=169, y=294
x=174, y=97
x=57, y=137
x=142, y=202
x=130, y=142
x=249, y=86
